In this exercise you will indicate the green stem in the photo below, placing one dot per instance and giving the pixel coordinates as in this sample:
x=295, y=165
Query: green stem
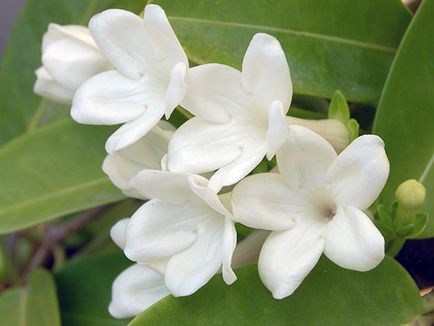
x=395, y=246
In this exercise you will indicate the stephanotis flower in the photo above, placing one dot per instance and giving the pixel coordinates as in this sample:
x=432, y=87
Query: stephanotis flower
x=314, y=205
x=140, y=286
x=148, y=81
x=184, y=231
x=146, y=153
x=239, y=116
x=70, y=56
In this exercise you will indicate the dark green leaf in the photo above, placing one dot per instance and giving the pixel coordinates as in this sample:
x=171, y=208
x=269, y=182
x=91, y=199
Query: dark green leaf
x=84, y=288
x=36, y=304
x=329, y=296
x=330, y=45
x=20, y=109
x=405, y=113
x=53, y=171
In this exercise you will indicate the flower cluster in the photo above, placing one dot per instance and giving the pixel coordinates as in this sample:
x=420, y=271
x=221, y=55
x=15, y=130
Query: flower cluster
x=132, y=70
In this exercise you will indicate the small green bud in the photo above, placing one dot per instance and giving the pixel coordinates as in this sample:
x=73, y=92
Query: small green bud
x=410, y=194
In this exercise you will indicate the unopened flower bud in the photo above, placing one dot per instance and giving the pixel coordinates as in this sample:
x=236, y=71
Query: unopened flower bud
x=410, y=194
x=332, y=130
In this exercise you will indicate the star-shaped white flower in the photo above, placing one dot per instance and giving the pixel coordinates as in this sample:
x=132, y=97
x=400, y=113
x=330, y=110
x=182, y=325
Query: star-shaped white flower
x=137, y=287
x=70, y=56
x=239, y=117
x=148, y=81
x=146, y=153
x=315, y=205
x=184, y=231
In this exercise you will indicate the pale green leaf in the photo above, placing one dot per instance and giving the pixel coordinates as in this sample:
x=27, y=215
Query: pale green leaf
x=53, y=171
x=406, y=111
x=328, y=296
x=33, y=305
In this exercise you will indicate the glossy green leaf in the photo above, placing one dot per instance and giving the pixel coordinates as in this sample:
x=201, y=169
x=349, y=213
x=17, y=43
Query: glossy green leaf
x=406, y=111
x=330, y=45
x=51, y=172
x=20, y=109
x=84, y=288
x=328, y=296
x=35, y=304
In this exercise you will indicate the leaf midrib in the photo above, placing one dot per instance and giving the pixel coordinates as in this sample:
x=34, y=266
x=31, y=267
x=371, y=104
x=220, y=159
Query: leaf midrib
x=427, y=169
x=56, y=194
x=336, y=39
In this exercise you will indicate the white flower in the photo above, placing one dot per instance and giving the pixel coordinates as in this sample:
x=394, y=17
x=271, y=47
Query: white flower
x=239, y=117
x=184, y=232
x=69, y=57
x=148, y=81
x=315, y=205
x=137, y=287
x=146, y=153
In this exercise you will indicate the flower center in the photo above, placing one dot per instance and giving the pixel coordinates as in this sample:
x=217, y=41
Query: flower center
x=328, y=211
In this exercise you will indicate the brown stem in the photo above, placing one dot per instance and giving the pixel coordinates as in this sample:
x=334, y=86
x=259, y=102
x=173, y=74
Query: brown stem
x=56, y=233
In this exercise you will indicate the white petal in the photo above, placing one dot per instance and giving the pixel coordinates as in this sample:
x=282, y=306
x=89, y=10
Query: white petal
x=360, y=172
x=47, y=87
x=191, y=269
x=266, y=71
x=287, y=257
x=110, y=98
x=158, y=230
x=278, y=130
x=229, y=243
x=177, y=88
x=199, y=146
x=252, y=155
x=146, y=49
x=57, y=32
x=118, y=232
x=132, y=131
x=199, y=186
x=215, y=93
x=304, y=159
x=352, y=241
x=164, y=41
x=136, y=289
x=71, y=62
x=168, y=186
x=264, y=201
x=146, y=153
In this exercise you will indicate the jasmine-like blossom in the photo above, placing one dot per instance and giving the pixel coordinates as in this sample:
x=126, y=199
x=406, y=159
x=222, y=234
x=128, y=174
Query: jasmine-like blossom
x=184, y=231
x=148, y=79
x=239, y=116
x=70, y=56
x=146, y=153
x=140, y=286
x=315, y=205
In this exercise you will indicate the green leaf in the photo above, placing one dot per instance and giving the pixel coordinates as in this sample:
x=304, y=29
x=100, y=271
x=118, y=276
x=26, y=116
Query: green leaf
x=405, y=112
x=20, y=109
x=36, y=304
x=330, y=295
x=84, y=288
x=53, y=171
x=338, y=108
x=330, y=45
